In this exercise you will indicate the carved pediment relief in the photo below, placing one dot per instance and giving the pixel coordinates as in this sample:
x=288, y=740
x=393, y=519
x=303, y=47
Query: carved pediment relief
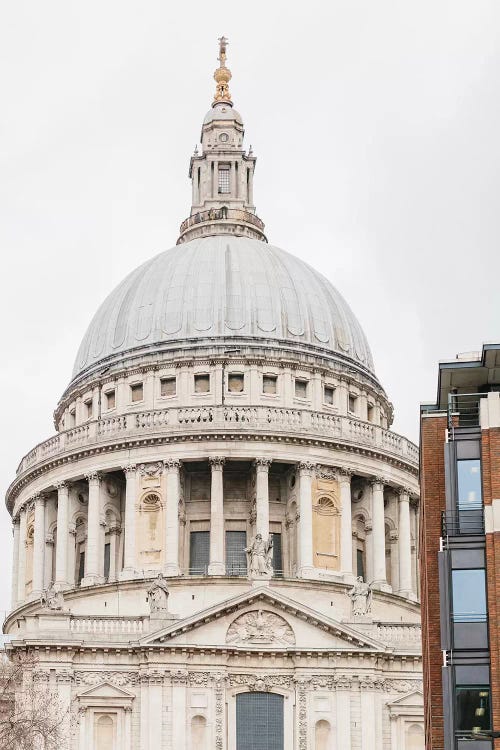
x=260, y=626
x=105, y=695
x=263, y=619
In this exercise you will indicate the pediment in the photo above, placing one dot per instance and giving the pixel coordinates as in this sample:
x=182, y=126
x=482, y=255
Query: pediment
x=106, y=690
x=262, y=619
x=412, y=700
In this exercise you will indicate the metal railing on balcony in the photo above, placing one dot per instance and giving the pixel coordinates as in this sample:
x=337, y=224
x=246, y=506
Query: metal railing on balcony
x=462, y=522
x=464, y=410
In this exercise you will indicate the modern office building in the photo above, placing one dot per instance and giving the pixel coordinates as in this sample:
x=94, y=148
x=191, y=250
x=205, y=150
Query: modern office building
x=230, y=525
x=460, y=521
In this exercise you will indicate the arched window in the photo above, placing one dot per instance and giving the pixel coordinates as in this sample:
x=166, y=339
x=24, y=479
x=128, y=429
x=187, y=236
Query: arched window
x=259, y=716
x=80, y=542
x=326, y=533
x=149, y=539
x=322, y=734
x=359, y=547
x=415, y=737
x=198, y=732
x=104, y=732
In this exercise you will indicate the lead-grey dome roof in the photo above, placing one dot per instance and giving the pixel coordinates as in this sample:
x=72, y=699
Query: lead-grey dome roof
x=223, y=288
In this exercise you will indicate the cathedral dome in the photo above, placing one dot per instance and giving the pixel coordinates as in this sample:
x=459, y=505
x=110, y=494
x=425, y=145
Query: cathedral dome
x=222, y=111
x=229, y=290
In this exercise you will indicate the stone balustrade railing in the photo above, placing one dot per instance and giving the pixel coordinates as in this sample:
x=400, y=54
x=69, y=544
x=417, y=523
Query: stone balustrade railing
x=108, y=625
x=259, y=419
x=399, y=634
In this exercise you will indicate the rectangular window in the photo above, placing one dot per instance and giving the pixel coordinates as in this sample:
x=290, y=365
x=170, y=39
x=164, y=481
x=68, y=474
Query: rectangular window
x=236, y=557
x=270, y=384
x=329, y=393
x=277, y=555
x=473, y=708
x=469, y=595
x=72, y=418
x=224, y=186
x=469, y=484
x=107, y=560
x=360, y=563
x=353, y=403
x=81, y=567
x=110, y=399
x=201, y=383
x=301, y=388
x=168, y=386
x=235, y=382
x=199, y=553
x=136, y=392
x=89, y=408
x=370, y=412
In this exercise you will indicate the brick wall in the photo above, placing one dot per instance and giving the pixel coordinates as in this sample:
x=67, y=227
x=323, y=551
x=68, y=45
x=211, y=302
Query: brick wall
x=490, y=466
x=432, y=493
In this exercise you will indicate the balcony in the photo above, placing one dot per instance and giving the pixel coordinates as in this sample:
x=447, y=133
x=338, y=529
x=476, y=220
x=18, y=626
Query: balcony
x=135, y=427
x=462, y=522
x=464, y=410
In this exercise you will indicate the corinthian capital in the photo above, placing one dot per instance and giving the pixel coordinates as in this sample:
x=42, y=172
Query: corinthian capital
x=172, y=464
x=306, y=467
x=129, y=469
x=216, y=462
x=262, y=464
x=93, y=476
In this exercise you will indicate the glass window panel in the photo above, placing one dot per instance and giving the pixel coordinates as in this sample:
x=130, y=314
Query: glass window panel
x=269, y=383
x=301, y=388
x=469, y=595
x=469, y=484
x=259, y=721
x=224, y=186
x=137, y=392
x=167, y=386
x=235, y=382
x=201, y=383
x=236, y=557
x=329, y=394
x=277, y=555
x=360, y=563
x=107, y=559
x=199, y=552
x=473, y=708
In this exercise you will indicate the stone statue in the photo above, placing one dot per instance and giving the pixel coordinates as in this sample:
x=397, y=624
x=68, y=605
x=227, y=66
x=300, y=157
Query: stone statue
x=52, y=599
x=361, y=598
x=260, y=556
x=158, y=595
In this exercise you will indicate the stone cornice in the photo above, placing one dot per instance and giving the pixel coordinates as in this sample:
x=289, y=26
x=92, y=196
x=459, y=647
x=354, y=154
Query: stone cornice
x=83, y=452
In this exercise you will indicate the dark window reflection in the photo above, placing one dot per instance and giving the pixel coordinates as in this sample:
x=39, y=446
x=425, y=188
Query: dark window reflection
x=473, y=708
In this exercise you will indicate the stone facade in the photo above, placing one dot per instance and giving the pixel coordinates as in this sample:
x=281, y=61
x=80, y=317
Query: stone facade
x=259, y=480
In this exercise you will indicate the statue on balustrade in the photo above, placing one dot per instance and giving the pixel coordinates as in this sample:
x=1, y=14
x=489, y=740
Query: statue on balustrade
x=158, y=595
x=361, y=598
x=260, y=557
x=52, y=599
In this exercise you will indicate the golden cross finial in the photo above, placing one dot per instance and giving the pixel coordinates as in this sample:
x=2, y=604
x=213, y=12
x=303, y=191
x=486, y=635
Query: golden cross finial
x=222, y=75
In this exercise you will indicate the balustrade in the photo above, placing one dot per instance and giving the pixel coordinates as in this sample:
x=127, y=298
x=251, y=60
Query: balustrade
x=247, y=418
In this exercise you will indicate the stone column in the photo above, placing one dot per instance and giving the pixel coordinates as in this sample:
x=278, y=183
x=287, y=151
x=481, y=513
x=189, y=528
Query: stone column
x=156, y=711
x=343, y=688
x=82, y=719
x=179, y=712
x=92, y=556
x=38, y=546
x=64, y=679
x=404, y=543
x=172, y=467
x=217, y=566
x=114, y=534
x=306, y=566
x=128, y=727
x=130, y=496
x=262, y=492
x=344, y=477
x=16, y=526
x=368, y=714
x=378, y=533
x=21, y=573
x=144, y=713
x=62, y=580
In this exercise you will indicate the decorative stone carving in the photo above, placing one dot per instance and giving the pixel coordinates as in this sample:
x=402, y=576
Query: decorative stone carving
x=301, y=686
x=93, y=476
x=361, y=598
x=260, y=556
x=52, y=599
x=172, y=464
x=217, y=462
x=404, y=686
x=326, y=472
x=260, y=683
x=158, y=595
x=119, y=679
x=260, y=627
x=150, y=470
x=262, y=464
x=306, y=467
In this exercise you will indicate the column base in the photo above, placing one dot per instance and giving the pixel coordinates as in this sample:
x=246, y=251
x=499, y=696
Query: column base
x=216, y=569
x=382, y=586
x=172, y=570
x=407, y=595
x=92, y=580
x=129, y=574
x=307, y=571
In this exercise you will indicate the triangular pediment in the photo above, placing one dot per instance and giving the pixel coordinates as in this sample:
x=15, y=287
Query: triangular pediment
x=106, y=690
x=262, y=619
x=415, y=698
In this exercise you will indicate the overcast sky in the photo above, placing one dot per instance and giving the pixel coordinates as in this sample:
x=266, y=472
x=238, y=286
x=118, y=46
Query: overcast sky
x=375, y=126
